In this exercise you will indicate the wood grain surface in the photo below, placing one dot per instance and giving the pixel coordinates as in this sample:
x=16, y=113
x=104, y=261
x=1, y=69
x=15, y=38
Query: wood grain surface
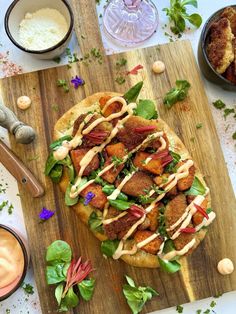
x=199, y=277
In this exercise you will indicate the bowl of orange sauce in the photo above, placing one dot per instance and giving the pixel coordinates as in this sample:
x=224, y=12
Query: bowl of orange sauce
x=14, y=260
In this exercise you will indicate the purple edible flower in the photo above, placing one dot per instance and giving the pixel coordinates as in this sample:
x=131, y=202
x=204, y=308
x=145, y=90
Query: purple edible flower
x=46, y=214
x=88, y=198
x=77, y=81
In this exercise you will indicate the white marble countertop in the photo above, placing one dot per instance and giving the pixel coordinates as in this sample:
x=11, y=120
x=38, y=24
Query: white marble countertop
x=20, y=303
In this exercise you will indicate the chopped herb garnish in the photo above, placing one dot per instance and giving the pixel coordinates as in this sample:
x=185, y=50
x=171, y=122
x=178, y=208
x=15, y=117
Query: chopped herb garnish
x=199, y=125
x=213, y=303
x=219, y=104
x=120, y=80
x=178, y=15
x=63, y=84
x=228, y=111
x=234, y=136
x=116, y=161
x=10, y=209
x=28, y=289
x=57, y=60
x=55, y=107
x=179, y=308
x=177, y=93
x=120, y=63
x=72, y=57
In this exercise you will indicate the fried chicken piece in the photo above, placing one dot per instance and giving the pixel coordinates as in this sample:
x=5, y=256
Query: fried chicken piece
x=198, y=217
x=145, y=225
x=174, y=210
x=129, y=137
x=183, y=239
x=154, y=166
x=173, y=192
x=112, y=108
x=220, y=49
x=139, y=182
x=186, y=183
x=90, y=141
x=78, y=154
x=153, y=217
x=117, y=150
x=100, y=199
x=153, y=246
x=111, y=175
x=230, y=14
x=230, y=73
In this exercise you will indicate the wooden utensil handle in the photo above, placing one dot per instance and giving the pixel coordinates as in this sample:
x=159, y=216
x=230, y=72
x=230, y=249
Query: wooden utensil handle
x=22, y=174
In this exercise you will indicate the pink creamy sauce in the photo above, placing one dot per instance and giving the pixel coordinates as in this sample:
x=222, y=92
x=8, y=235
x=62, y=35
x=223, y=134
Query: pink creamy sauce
x=11, y=262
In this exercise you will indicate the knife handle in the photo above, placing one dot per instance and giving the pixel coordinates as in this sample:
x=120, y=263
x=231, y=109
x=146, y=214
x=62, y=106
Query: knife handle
x=22, y=174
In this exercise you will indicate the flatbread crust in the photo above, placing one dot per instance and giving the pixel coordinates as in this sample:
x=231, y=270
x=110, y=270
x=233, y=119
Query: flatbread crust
x=64, y=126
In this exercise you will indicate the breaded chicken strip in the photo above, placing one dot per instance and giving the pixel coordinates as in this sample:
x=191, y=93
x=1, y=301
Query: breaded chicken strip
x=230, y=14
x=220, y=49
x=175, y=209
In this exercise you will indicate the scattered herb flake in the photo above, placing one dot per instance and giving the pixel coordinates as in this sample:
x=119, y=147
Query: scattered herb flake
x=213, y=303
x=234, y=136
x=28, y=289
x=55, y=107
x=63, y=84
x=199, y=125
x=120, y=80
x=57, y=60
x=179, y=308
x=219, y=104
x=10, y=209
x=72, y=57
x=120, y=63
x=228, y=111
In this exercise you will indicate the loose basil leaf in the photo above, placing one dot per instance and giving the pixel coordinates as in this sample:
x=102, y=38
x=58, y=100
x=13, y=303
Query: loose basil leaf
x=95, y=222
x=133, y=93
x=108, y=247
x=59, y=251
x=56, y=173
x=58, y=142
x=58, y=293
x=197, y=188
x=54, y=274
x=177, y=93
x=119, y=204
x=86, y=288
x=137, y=296
x=169, y=266
x=109, y=189
x=171, y=166
x=50, y=164
x=146, y=108
x=70, y=301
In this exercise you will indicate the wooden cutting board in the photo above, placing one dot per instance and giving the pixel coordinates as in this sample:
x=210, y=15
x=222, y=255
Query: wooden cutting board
x=199, y=277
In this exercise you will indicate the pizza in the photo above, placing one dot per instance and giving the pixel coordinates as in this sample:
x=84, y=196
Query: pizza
x=130, y=179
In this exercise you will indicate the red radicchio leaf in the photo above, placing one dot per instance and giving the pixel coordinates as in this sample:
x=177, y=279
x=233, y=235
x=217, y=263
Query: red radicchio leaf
x=96, y=136
x=76, y=273
x=135, y=70
x=144, y=129
x=201, y=211
x=160, y=154
x=136, y=211
x=166, y=160
x=188, y=230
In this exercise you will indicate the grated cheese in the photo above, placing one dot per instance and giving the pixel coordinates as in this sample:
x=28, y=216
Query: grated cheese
x=42, y=29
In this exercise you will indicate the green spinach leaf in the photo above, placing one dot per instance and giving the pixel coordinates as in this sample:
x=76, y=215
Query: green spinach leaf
x=59, y=251
x=197, y=188
x=54, y=273
x=86, y=288
x=70, y=301
x=136, y=297
x=58, y=293
x=54, y=145
x=56, y=173
x=108, y=247
x=169, y=266
x=133, y=93
x=95, y=222
x=146, y=109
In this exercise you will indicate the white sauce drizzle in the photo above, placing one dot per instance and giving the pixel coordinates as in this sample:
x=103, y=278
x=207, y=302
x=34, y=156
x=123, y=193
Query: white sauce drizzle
x=117, y=191
x=206, y=222
x=146, y=241
x=183, y=251
x=111, y=101
x=110, y=220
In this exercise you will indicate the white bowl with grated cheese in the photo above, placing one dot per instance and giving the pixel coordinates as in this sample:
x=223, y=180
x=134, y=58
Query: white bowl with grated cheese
x=41, y=28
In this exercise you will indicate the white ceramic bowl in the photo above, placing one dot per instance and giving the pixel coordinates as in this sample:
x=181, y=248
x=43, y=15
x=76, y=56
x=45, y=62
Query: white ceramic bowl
x=16, y=13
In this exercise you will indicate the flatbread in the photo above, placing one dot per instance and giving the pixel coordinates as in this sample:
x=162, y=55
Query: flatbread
x=64, y=126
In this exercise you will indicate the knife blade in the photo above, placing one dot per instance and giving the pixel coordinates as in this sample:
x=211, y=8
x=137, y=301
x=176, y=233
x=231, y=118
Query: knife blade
x=22, y=174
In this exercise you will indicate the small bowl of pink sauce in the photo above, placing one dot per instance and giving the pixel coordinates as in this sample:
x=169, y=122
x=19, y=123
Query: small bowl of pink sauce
x=14, y=260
